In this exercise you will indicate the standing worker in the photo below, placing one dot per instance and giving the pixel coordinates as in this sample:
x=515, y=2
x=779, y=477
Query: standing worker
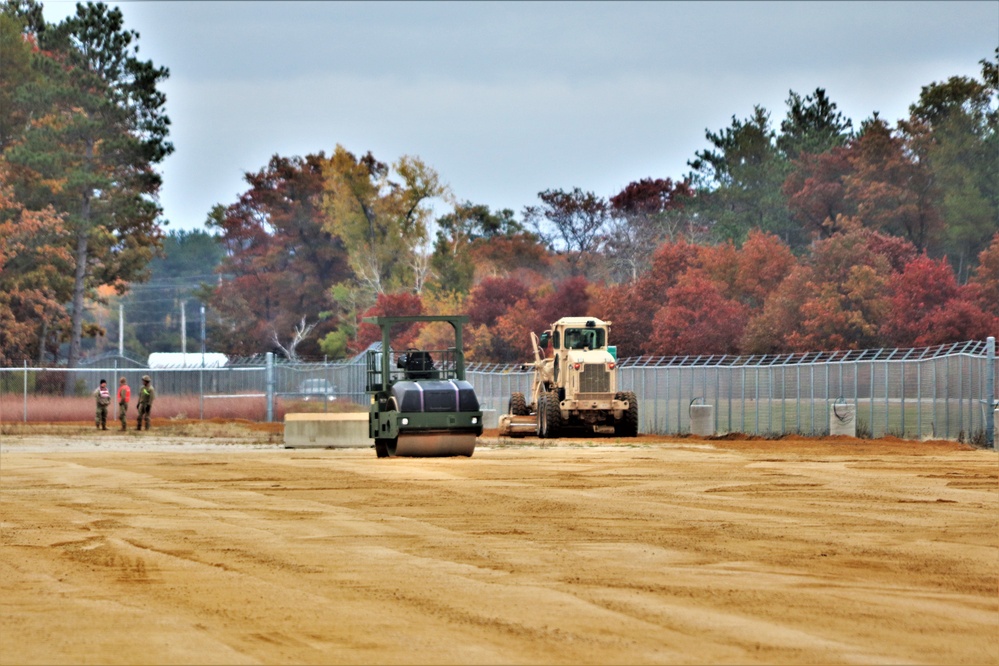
x=103, y=397
x=124, y=396
x=145, y=404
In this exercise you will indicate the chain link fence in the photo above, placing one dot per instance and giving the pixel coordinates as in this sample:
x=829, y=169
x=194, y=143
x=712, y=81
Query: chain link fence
x=935, y=392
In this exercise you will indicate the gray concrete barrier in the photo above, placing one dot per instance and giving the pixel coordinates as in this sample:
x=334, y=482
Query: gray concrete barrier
x=347, y=430
x=702, y=420
x=843, y=419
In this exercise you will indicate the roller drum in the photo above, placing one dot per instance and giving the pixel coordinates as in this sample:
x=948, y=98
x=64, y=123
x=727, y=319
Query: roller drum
x=433, y=445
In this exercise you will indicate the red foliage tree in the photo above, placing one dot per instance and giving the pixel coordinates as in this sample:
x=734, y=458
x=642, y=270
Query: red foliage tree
x=536, y=312
x=838, y=300
x=768, y=327
x=280, y=262
x=492, y=298
x=763, y=262
x=697, y=319
x=816, y=190
x=36, y=281
x=986, y=278
x=889, y=189
x=668, y=263
x=928, y=307
x=721, y=263
x=401, y=304
x=630, y=326
x=650, y=197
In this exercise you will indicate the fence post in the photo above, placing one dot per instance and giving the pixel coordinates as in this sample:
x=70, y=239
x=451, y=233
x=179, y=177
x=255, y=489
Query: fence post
x=25, y=391
x=990, y=390
x=114, y=383
x=270, y=387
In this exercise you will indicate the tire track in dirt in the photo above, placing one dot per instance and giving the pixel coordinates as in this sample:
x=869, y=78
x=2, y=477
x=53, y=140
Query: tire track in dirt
x=686, y=552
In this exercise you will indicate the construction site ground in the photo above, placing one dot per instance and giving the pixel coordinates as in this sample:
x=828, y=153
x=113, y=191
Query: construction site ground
x=210, y=543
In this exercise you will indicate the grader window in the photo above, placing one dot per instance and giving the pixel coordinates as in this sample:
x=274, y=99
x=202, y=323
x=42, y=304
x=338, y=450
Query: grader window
x=584, y=338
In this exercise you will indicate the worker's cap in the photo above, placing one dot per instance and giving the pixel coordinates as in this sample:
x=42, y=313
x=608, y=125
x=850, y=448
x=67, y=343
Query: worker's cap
x=145, y=378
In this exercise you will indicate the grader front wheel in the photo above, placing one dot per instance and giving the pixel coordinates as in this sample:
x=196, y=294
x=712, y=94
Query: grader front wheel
x=549, y=416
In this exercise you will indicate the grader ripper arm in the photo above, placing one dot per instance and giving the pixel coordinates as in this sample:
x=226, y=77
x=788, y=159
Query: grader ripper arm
x=574, y=391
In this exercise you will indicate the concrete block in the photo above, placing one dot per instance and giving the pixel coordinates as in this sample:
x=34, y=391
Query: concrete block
x=347, y=430
x=843, y=420
x=702, y=420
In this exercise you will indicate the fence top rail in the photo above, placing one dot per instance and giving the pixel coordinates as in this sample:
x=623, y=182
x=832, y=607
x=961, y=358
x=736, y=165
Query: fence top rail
x=967, y=348
x=973, y=348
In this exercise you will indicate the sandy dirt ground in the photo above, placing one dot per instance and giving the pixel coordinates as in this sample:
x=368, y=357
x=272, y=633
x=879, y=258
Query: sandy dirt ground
x=210, y=544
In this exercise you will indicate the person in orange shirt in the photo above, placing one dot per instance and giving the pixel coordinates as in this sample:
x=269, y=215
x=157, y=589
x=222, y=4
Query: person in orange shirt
x=124, y=396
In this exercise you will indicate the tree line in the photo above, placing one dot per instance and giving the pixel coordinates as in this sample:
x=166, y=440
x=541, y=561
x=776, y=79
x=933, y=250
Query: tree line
x=802, y=234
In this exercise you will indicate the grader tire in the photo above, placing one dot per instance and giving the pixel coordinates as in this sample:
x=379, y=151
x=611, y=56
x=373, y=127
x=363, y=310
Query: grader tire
x=552, y=416
x=518, y=405
x=628, y=425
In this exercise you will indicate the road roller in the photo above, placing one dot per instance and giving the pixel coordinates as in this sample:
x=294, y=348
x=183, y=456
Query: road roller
x=421, y=405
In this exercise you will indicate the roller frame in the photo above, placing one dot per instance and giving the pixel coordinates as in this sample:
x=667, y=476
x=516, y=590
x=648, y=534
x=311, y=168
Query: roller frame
x=419, y=434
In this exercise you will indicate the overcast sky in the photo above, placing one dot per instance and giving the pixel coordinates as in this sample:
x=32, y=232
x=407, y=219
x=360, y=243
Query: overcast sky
x=508, y=99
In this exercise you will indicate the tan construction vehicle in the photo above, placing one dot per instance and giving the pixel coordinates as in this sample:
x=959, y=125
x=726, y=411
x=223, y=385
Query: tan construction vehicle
x=574, y=390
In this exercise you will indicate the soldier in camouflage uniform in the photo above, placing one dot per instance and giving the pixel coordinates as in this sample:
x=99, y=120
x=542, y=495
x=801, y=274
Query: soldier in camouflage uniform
x=103, y=397
x=145, y=404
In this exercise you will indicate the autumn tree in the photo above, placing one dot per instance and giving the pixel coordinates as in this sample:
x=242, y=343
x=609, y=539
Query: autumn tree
x=35, y=265
x=697, y=319
x=382, y=222
x=572, y=224
x=474, y=242
x=97, y=130
x=280, y=261
x=645, y=214
x=762, y=264
x=536, y=311
x=986, y=279
x=489, y=300
x=632, y=306
x=816, y=191
x=401, y=336
x=837, y=299
x=928, y=307
x=889, y=189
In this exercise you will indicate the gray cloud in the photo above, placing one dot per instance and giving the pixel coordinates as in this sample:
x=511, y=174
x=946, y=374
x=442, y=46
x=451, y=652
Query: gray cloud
x=508, y=99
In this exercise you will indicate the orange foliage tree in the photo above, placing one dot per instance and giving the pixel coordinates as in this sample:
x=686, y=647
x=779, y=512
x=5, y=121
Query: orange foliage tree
x=35, y=279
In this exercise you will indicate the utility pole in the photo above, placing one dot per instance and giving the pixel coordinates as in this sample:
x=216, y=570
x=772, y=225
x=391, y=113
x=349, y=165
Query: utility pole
x=183, y=331
x=201, y=373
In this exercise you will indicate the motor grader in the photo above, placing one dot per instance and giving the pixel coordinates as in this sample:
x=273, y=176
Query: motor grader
x=574, y=391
